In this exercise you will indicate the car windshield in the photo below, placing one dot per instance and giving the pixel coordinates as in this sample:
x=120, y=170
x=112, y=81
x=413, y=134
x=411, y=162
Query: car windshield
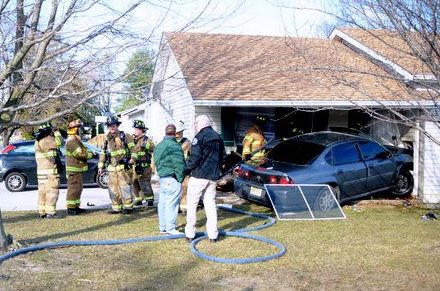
x=295, y=152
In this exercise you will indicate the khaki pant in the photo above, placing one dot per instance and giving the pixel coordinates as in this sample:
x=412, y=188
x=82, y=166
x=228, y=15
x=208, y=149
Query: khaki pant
x=183, y=193
x=197, y=188
x=48, y=191
x=74, y=190
x=142, y=186
x=119, y=190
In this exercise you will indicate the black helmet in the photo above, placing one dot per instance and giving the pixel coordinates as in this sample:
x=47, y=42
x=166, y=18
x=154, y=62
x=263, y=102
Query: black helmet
x=112, y=120
x=45, y=126
x=139, y=124
x=260, y=120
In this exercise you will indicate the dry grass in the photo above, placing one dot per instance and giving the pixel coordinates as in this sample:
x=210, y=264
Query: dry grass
x=376, y=248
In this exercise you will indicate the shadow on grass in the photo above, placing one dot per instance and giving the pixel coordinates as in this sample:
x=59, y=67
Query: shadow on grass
x=123, y=219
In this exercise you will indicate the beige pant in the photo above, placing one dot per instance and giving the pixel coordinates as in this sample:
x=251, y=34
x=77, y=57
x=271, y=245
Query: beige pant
x=142, y=185
x=197, y=188
x=74, y=190
x=183, y=193
x=119, y=190
x=48, y=191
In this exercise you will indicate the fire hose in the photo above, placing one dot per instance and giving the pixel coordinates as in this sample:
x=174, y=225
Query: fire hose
x=199, y=237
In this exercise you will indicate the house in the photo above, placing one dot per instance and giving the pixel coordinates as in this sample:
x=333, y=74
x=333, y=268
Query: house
x=301, y=84
x=127, y=116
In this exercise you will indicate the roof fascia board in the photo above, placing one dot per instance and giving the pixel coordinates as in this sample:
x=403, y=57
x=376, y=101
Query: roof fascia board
x=336, y=32
x=311, y=104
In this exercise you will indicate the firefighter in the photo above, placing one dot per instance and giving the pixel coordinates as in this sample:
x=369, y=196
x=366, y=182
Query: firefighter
x=115, y=156
x=141, y=158
x=47, y=154
x=186, y=146
x=76, y=165
x=254, y=140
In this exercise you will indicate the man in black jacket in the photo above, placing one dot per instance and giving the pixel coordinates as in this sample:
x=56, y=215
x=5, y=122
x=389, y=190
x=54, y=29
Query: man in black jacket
x=204, y=164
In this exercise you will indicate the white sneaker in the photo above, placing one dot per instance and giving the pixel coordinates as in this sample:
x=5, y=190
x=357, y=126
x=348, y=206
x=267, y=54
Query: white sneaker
x=174, y=232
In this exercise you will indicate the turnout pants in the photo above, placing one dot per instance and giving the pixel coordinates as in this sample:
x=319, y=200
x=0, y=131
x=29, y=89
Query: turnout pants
x=119, y=190
x=48, y=191
x=196, y=188
x=142, y=186
x=74, y=190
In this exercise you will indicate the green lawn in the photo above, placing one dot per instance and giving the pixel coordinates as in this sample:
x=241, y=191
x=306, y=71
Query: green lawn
x=380, y=247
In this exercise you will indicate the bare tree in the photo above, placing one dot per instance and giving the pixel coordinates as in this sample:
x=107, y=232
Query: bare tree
x=404, y=36
x=57, y=55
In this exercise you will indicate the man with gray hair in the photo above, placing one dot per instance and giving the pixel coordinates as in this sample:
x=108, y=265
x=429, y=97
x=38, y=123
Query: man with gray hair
x=204, y=165
x=170, y=164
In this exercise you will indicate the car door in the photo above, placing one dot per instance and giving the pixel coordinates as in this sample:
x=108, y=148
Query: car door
x=349, y=169
x=381, y=168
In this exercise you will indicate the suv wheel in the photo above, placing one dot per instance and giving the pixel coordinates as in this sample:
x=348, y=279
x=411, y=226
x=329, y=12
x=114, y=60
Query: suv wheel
x=15, y=182
x=404, y=184
x=102, y=180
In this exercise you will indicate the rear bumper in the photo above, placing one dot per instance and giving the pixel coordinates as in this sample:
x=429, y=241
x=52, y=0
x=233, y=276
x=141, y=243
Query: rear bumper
x=242, y=189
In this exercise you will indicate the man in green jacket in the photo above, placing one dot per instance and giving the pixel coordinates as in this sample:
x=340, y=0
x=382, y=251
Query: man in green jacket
x=170, y=163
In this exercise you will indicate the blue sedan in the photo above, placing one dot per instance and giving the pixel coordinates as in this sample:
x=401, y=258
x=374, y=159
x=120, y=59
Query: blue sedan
x=18, y=167
x=352, y=166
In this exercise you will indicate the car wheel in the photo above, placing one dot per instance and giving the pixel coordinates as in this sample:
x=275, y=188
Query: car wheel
x=102, y=180
x=324, y=200
x=15, y=182
x=404, y=184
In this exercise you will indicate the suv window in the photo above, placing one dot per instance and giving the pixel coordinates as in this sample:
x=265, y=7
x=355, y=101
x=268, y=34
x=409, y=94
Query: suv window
x=370, y=150
x=345, y=154
x=295, y=152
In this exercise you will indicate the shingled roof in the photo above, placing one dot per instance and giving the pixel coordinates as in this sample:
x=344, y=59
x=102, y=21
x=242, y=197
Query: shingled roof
x=390, y=45
x=242, y=67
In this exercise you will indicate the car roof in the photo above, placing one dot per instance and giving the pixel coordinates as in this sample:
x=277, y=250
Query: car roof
x=22, y=142
x=327, y=138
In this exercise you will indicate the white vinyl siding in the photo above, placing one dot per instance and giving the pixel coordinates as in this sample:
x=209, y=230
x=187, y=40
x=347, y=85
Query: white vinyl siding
x=214, y=113
x=174, y=103
x=427, y=165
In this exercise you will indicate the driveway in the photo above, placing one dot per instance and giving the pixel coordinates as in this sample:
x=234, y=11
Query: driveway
x=91, y=198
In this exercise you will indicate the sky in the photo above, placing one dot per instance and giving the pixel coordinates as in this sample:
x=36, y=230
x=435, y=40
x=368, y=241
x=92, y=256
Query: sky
x=253, y=17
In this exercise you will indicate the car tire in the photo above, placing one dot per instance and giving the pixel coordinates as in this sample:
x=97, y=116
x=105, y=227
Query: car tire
x=15, y=182
x=102, y=180
x=324, y=200
x=404, y=184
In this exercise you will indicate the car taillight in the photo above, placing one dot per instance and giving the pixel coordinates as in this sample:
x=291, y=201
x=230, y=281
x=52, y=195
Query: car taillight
x=285, y=180
x=239, y=172
x=8, y=149
x=273, y=180
x=279, y=180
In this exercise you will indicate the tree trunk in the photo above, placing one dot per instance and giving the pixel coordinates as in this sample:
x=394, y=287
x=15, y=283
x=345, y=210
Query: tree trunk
x=5, y=240
x=7, y=136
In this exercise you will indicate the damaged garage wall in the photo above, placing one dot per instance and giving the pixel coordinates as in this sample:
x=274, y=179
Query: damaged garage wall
x=426, y=165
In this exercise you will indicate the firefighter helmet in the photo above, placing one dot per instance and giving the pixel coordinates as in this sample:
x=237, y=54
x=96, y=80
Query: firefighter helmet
x=180, y=126
x=112, y=120
x=260, y=120
x=45, y=126
x=139, y=124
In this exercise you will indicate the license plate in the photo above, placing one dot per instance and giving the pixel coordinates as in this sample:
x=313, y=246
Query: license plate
x=256, y=192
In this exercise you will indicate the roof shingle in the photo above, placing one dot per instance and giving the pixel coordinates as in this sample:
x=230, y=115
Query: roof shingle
x=241, y=67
